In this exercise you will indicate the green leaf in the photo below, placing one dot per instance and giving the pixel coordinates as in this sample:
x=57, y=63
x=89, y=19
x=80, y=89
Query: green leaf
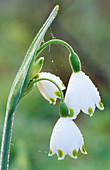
x=22, y=78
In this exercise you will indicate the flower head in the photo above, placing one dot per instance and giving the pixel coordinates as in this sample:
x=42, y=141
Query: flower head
x=66, y=139
x=48, y=89
x=82, y=95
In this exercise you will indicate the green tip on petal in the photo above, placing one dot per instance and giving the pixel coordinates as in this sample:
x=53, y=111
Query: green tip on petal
x=51, y=100
x=71, y=112
x=90, y=111
x=62, y=85
x=36, y=67
x=101, y=104
x=83, y=149
x=57, y=93
x=60, y=153
x=75, y=153
x=50, y=152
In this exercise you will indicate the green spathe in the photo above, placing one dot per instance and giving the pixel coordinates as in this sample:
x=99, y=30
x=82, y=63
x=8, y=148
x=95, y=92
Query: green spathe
x=22, y=78
x=71, y=112
x=36, y=67
x=75, y=62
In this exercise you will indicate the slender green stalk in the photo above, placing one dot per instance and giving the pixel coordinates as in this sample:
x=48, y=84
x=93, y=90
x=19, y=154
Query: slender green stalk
x=55, y=41
x=73, y=57
x=7, y=133
x=40, y=79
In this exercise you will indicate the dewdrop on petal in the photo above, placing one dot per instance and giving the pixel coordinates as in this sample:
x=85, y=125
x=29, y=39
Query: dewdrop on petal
x=81, y=94
x=66, y=138
x=48, y=89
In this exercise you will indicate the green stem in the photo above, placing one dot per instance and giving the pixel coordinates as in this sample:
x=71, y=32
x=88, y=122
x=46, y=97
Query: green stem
x=40, y=79
x=73, y=57
x=5, y=146
x=55, y=41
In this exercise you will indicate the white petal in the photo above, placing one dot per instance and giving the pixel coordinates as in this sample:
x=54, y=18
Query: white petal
x=82, y=94
x=47, y=88
x=65, y=138
x=72, y=97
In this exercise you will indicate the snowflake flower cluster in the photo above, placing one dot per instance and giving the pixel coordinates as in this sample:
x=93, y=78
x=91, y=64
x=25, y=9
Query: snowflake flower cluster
x=81, y=94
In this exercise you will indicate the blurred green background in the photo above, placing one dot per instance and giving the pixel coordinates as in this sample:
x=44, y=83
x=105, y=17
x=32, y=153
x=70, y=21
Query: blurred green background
x=86, y=26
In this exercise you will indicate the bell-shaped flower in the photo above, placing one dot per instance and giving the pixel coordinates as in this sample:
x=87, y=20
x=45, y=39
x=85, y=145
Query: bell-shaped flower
x=48, y=89
x=66, y=138
x=82, y=95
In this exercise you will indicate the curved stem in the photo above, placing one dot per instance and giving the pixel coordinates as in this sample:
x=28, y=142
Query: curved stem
x=40, y=79
x=55, y=41
x=73, y=57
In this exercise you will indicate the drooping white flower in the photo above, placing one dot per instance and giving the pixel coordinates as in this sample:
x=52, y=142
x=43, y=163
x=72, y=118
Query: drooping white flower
x=66, y=138
x=82, y=95
x=48, y=89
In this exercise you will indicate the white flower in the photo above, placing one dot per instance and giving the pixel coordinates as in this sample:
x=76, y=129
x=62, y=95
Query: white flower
x=48, y=89
x=66, y=139
x=82, y=95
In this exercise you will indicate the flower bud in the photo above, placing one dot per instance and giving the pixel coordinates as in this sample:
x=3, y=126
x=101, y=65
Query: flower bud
x=36, y=67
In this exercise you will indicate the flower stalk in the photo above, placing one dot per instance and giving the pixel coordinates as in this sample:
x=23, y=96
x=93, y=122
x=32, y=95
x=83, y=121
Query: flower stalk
x=73, y=57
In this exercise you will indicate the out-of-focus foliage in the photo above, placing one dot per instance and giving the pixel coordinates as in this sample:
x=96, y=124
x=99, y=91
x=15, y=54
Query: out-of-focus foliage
x=86, y=26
